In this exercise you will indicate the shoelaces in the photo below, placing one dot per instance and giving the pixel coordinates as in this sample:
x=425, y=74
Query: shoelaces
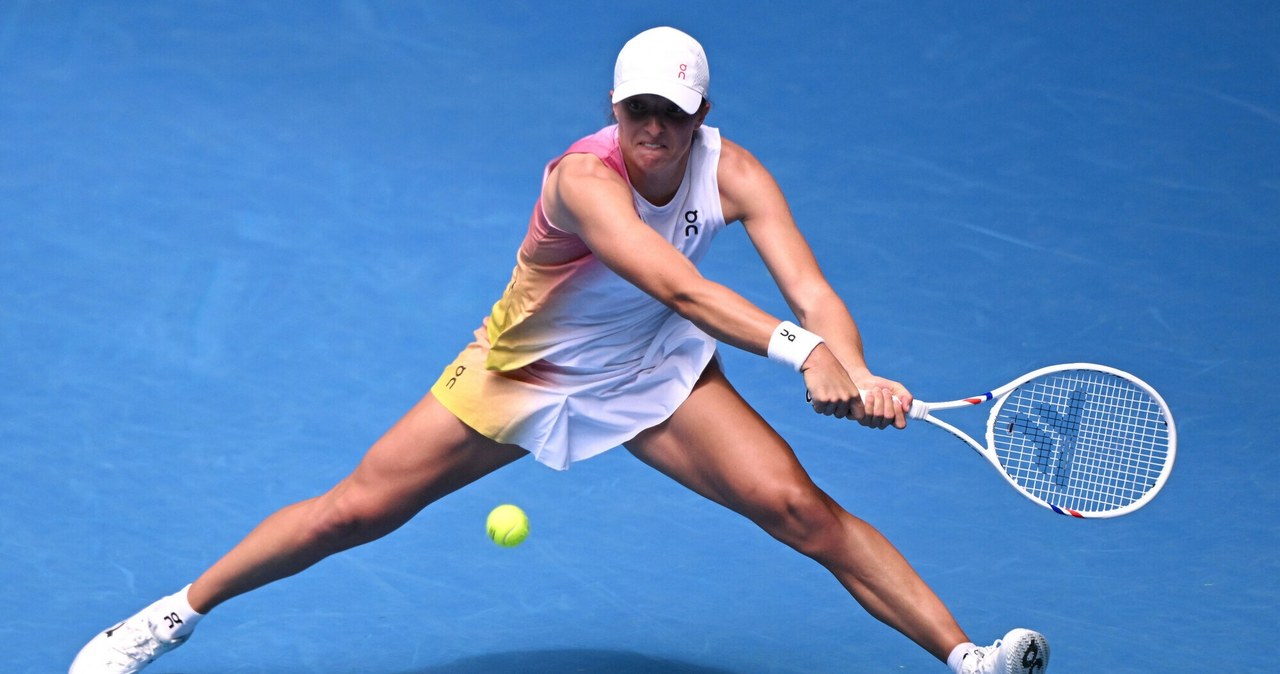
x=138, y=645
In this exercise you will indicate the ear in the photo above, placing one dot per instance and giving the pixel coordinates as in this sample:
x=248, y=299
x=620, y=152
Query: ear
x=613, y=108
x=702, y=112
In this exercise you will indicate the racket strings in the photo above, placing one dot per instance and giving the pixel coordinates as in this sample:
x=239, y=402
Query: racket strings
x=1082, y=440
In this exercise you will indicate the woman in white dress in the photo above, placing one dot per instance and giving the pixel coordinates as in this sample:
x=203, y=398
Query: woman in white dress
x=606, y=336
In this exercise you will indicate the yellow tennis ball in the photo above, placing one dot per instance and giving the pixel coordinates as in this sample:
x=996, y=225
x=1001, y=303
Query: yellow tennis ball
x=508, y=526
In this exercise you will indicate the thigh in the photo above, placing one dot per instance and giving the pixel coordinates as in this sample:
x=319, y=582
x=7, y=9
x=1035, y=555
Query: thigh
x=721, y=448
x=427, y=454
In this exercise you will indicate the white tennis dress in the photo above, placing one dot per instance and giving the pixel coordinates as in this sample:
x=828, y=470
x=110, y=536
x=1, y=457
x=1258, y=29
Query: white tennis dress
x=574, y=360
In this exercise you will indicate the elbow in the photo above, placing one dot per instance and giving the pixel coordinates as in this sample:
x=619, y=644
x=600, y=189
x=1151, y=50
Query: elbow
x=692, y=302
x=683, y=302
x=808, y=304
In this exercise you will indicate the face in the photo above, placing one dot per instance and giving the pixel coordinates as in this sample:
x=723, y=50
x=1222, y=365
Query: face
x=654, y=132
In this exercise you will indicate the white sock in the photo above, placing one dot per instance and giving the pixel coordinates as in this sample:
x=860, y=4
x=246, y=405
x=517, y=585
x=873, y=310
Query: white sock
x=173, y=617
x=957, y=655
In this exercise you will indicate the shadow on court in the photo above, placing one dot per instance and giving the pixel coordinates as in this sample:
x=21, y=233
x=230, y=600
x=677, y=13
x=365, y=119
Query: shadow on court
x=567, y=661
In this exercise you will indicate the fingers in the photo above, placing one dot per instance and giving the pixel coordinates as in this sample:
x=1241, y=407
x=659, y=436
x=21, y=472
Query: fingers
x=882, y=404
x=874, y=409
x=877, y=409
x=883, y=408
x=833, y=406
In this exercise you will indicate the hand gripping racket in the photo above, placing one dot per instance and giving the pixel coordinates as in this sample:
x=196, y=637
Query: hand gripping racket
x=1080, y=439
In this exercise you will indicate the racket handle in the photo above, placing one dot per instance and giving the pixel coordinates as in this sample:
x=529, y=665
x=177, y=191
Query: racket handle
x=918, y=409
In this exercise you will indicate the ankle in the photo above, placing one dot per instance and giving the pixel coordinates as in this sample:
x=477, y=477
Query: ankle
x=173, y=616
x=956, y=659
x=199, y=598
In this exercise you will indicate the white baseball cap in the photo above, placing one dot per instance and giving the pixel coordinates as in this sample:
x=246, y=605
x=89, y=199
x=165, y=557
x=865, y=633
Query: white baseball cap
x=665, y=62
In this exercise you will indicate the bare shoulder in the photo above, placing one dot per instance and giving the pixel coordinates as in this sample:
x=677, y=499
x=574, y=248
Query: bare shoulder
x=580, y=166
x=579, y=183
x=746, y=186
x=736, y=162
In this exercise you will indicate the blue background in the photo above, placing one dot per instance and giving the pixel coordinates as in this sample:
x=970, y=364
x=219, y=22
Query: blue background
x=237, y=241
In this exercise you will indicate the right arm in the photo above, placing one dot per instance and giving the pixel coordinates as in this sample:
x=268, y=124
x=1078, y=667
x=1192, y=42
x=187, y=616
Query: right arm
x=583, y=196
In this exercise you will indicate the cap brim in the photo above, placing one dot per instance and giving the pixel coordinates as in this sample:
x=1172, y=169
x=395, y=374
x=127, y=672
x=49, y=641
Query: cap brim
x=688, y=99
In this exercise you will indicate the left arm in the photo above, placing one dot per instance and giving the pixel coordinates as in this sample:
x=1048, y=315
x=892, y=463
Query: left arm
x=752, y=196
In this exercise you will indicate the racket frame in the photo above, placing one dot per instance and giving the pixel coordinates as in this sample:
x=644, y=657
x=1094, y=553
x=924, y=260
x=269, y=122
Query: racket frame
x=924, y=411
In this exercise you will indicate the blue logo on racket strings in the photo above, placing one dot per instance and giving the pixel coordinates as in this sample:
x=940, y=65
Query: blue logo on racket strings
x=1052, y=430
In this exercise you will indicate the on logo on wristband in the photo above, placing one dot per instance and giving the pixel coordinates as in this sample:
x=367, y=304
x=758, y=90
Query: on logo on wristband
x=792, y=344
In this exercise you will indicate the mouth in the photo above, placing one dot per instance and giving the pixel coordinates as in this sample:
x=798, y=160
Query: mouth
x=653, y=146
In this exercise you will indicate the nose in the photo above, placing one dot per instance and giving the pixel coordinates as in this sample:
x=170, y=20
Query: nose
x=653, y=123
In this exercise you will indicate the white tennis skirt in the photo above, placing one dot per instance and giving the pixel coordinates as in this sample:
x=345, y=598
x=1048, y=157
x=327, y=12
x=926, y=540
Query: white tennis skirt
x=562, y=415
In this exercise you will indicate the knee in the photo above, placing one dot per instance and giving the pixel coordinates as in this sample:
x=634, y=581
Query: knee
x=804, y=518
x=340, y=521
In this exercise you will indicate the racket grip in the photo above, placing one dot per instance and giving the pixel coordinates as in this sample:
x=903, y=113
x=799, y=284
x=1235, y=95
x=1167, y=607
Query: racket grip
x=918, y=409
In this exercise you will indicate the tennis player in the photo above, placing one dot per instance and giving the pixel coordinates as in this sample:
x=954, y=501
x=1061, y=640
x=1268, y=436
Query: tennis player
x=606, y=335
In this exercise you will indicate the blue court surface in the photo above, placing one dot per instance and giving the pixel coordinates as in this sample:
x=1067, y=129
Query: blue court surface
x=238, y=240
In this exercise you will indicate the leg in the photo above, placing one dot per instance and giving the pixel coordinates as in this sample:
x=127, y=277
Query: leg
x=425, y=456
x=742, y=464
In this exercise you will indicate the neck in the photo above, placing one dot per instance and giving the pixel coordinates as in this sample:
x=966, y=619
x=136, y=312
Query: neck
x=658, y=187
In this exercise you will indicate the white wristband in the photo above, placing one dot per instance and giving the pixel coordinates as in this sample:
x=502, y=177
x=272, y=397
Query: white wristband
x=792, y=344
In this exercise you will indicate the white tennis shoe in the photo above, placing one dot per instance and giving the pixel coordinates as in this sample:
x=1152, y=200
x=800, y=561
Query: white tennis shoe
x=129, y=646
x=1019, y=652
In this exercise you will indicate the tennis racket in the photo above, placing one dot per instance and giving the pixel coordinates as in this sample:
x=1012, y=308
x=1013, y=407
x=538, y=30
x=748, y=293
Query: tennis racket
x=1080, y=439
